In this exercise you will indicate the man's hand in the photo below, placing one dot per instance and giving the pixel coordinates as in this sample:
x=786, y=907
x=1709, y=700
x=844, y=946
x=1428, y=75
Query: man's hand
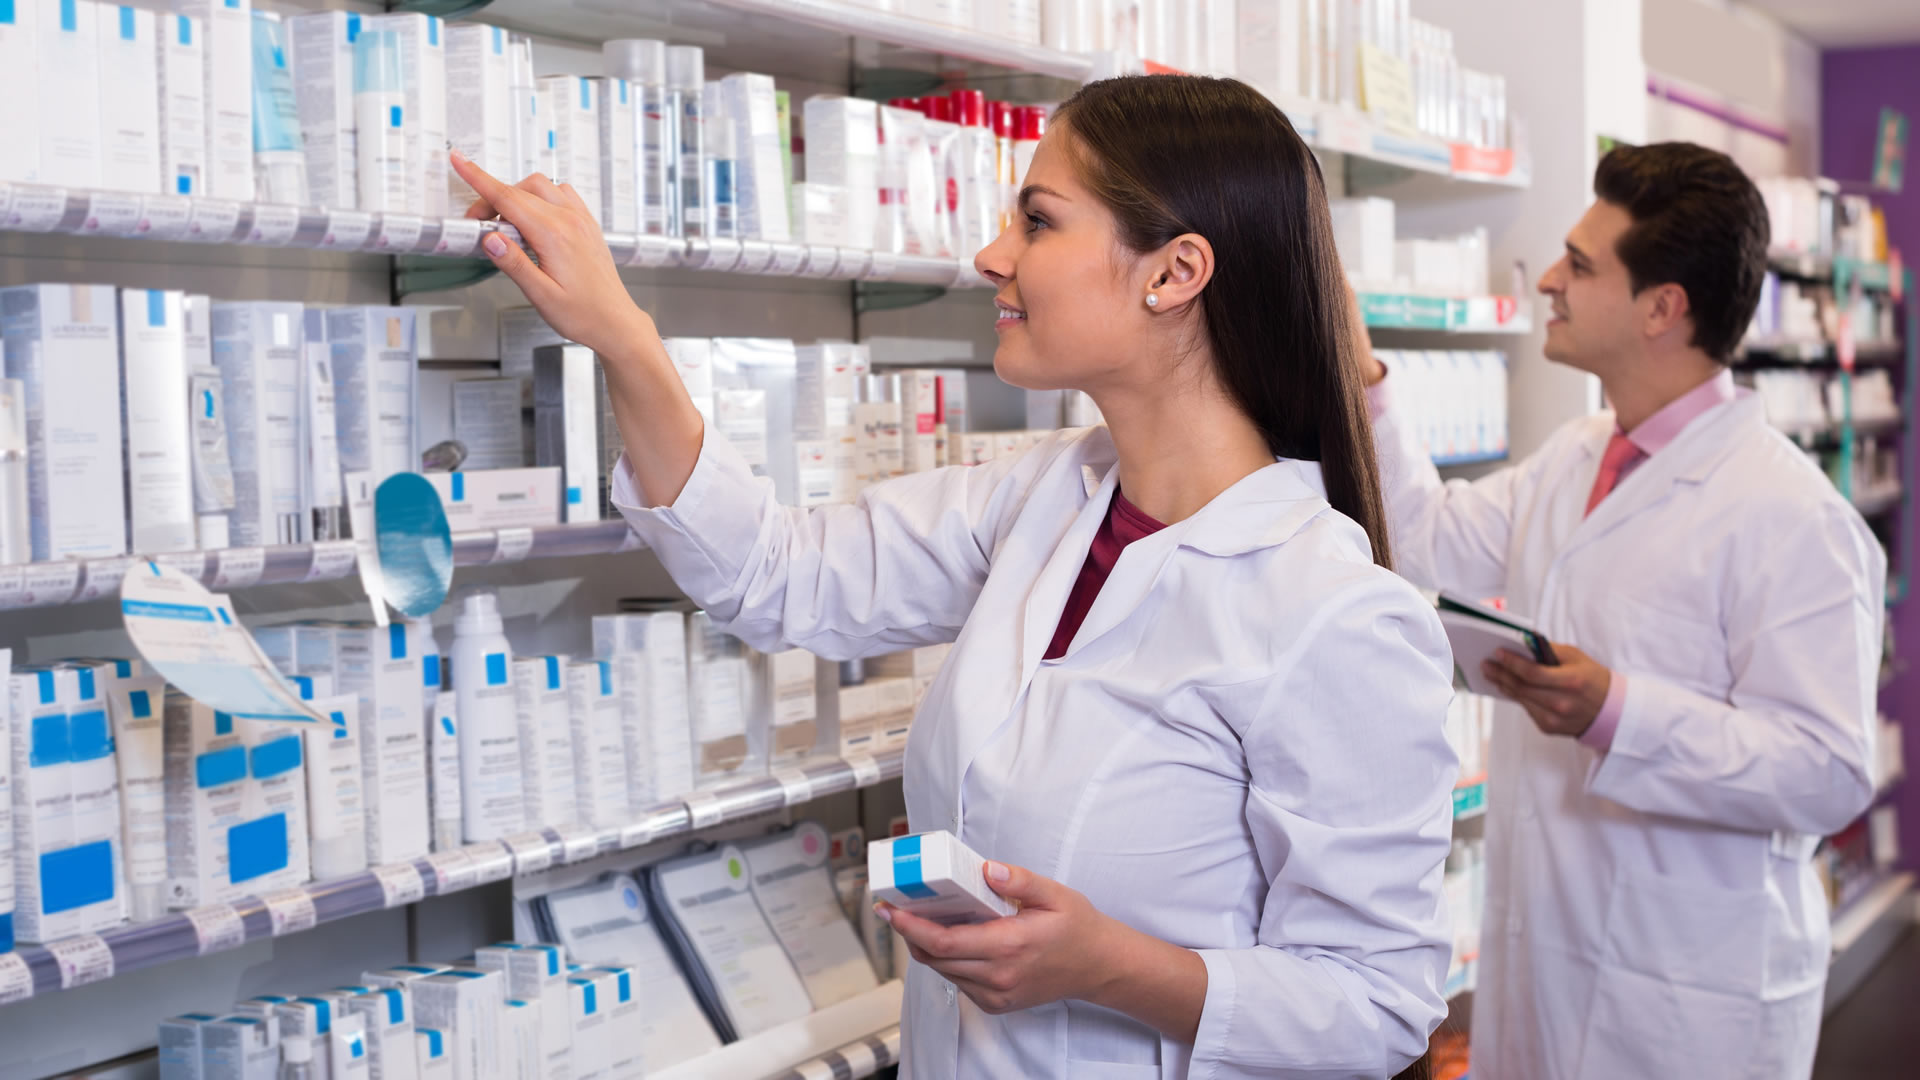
x=1564, y=699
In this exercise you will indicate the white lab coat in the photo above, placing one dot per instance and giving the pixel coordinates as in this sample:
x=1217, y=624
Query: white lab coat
x=1652, y=911
x=1241, y=753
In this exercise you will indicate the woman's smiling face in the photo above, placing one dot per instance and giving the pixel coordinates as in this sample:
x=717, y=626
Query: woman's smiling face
x=1069, y=311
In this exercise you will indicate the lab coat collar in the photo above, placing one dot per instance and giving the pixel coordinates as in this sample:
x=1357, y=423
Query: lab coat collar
x=1692, y=456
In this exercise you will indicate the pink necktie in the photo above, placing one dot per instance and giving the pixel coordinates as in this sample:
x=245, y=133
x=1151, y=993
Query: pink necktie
x=1620, y=453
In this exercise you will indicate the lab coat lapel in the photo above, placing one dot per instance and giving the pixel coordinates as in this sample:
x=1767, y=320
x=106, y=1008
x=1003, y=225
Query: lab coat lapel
x=1040, y=616
x=1687, y=460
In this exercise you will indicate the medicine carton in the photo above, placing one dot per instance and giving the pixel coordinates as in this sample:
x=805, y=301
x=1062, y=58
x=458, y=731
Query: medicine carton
x=219, y=847
x=228, y=25
x=466, y=1005
x=480, y=119
x=61, y=341
x=499, y=498
x=649, y=657
x=259, y=348
x=599, y=742
x=69, y=78
x=546, y=741
x=20, y=89
x=388, y=1013
x=240, y=1048
x=934, y=876
x=536, y=974
x=423, y=62
x=375, y=382
x=322, y=45
x=375, y=665
x=181, y=74
x=565, y=424
x=129, y=108
x=65, y=808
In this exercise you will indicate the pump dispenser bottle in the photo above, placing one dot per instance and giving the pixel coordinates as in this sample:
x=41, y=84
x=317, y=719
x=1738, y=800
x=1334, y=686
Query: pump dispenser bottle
x=493, y=804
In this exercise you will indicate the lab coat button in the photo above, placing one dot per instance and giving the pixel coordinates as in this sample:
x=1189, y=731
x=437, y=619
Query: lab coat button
x=949, y=993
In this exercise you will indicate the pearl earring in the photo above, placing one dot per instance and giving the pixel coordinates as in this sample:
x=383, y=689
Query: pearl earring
x=1153, y=300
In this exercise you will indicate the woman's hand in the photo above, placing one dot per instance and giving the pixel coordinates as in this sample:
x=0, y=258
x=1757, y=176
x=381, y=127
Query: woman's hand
x=1057, y=947
x=1054, y=948
x=575, y=287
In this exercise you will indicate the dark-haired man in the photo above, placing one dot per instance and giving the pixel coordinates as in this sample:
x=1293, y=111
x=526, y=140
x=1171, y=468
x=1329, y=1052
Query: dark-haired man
x=1651, y=909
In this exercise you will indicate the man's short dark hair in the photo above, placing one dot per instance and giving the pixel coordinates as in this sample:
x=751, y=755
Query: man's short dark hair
x=1699, y=223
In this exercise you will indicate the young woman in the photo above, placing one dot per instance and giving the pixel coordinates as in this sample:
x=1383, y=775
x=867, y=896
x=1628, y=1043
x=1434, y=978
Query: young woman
x=1189, y=714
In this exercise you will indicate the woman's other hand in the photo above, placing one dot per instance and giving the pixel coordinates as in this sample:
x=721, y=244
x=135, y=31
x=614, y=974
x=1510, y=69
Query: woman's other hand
x=575, y=286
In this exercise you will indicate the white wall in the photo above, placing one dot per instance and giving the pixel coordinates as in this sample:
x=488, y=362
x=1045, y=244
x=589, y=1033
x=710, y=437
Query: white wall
x=1755, y=66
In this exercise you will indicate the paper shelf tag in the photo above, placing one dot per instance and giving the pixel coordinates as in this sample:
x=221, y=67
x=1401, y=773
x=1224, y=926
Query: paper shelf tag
x=217, y=927
x=332, y=559
x=532, y=852
x=705, y=809
x=83, y=959
x=491, y=862
x=111, y=213
x=290, y=911
x=103, y=577
x=166, y=217
x=16, y=979
x=213, y=221
x=512, y=545
x=458, y=238
x=795, y=786
x=579, y=845
x=274, y=225
x=637, y=833
x=191, y=563
x=400, y=884
x=347, y=230
x=235, y=568
x=866, y=771
x=453, y=871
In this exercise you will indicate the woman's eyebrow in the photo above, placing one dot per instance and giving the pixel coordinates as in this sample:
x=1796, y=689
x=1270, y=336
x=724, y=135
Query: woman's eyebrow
x=1027, y=193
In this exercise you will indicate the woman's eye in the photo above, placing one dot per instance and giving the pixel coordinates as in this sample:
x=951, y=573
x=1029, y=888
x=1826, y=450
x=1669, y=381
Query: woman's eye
x=1035, y=222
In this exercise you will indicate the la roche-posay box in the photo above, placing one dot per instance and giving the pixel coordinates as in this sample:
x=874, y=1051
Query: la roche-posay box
x=388, y=1013
x=375, y=380
x=181, y=72
x=537, y=974
x=240, y=1047
x=499, y=498
x=374, y=664
x=592, y=1052
x=220, y=843
x=423, y=65
x=276, y=767
x=782, y=699
x=20, y=89
x=565, y=430
x=521, y=1042
x=229, y=95
x=310, y=1018
x=546, y=740
x=67, y=871
x=574, y=104
x=259, y=348
x=60, y=341
x=403, y=975
x=180, y=1052
x=935, y=876
x=322, y=45
x=129, y=108
x=726, y=743
x=69, y=77
x=432, y=1054
x=649, y=657
x=480, y=119
x=599, y=742
x=623, y=1019
x=465, y=1004
x=153, y=396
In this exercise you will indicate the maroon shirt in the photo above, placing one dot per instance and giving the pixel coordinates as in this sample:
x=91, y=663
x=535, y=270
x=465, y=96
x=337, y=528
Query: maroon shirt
x=1125, y=523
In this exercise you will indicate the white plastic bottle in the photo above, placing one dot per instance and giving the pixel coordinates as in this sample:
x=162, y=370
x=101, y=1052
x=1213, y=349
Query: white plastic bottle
x=443, y=742
x=380, y=121
x=686, y=95
x=492, y=802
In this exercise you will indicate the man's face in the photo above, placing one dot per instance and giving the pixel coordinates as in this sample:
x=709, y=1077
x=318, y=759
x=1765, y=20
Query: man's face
x=1596, y=318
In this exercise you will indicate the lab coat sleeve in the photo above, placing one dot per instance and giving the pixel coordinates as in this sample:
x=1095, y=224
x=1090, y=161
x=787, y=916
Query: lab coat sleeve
x=1789, y=749
x=1453, y=535
x=1349, y=805
x=899, y=567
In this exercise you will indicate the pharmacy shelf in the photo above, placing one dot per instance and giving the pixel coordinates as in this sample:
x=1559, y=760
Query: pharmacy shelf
x=1354, y=134
x=1457, y=460
x=1454, y=315
x=53, y=584
x=121, y=215
x=866, y=1057
x=1807, y=266
x=1469, y=800
x=1460, y=982
x=1817, y=353
x=819, y=41
x=856, y=1037
x=63, y=965
x=1864, y=932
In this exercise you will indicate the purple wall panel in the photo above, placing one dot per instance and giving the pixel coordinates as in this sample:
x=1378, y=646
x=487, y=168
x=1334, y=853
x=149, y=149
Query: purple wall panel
x=1854, y=85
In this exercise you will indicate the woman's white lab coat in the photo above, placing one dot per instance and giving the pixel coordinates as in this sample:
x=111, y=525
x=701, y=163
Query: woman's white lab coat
x=1652, y=911
x=1241, y=753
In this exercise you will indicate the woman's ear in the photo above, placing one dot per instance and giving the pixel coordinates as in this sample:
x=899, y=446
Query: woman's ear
x=1178, y=272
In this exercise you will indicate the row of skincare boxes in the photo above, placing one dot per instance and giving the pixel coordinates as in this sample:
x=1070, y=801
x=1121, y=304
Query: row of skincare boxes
x=1455, y=399
x=154, y=420
x=1378, y=260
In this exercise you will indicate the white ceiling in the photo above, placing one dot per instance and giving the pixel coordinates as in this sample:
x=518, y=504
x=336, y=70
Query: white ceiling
x=1847, y=23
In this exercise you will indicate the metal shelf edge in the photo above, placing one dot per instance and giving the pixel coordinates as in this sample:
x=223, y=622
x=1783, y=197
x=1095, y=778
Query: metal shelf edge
x=172, y=936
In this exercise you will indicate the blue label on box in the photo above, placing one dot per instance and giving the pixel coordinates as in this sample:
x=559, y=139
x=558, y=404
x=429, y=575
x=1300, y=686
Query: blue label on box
x=88, y=736
x=126, y=23
x=322, y=1014
x=907, y=874
x=430, y=670
x=458, y=483
x=553, y=672
x=220, y=768
x=396, y=641
x=141, y=704
x=256, y=848
x=185, y=25
x=76, y=877
x=271, y=759
x=51, y=743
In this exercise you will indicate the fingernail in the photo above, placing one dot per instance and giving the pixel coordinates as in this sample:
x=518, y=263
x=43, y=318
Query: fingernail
x=458, y=156
x=998, y=871
x=495, y=244
x=885, y=915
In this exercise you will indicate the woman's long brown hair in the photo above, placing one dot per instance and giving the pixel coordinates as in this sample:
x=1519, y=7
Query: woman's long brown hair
x=1174, y=154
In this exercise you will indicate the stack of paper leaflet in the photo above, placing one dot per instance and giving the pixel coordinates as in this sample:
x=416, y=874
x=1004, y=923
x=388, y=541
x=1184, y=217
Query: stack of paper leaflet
x=728, y=942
